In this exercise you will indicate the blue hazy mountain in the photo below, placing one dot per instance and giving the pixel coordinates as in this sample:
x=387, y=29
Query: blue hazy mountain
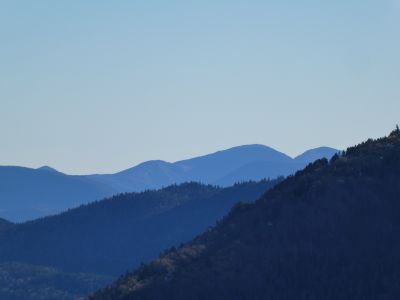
x=249, y=162
x=148, y=175
x=273, y=165
x=215, y=166
x=314, y=154
x=4, y=224
x=47, y=168
x=27, y=193
x=31, y=193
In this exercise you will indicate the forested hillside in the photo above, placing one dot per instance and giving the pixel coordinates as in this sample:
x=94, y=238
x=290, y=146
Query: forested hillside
x=27, y=282
x=116, y=234
x=332, y=231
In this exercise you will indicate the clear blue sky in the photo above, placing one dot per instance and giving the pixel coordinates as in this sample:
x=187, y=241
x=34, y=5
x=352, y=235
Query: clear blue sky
x=99, y=86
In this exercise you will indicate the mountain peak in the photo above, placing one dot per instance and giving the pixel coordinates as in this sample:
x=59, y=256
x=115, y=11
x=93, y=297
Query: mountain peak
x=47, y=168
x=251, y=147
x=316, y=153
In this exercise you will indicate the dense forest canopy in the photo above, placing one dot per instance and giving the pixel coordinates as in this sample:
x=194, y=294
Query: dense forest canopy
x=116, y=234
x=28, y=282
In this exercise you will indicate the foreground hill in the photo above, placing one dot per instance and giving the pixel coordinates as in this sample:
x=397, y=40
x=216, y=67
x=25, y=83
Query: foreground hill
x=32, y=193
x=112, y=235
x=26, y=282
x=332, y=231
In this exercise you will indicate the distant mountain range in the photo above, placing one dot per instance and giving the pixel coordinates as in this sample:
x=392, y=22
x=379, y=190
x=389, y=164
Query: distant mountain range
x=224, y=168
x=27, y=193
x=31, y=193
x=331, y=231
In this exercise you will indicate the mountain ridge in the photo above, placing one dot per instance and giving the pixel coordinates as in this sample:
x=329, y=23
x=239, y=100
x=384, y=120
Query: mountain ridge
x=105, y=236
x=32, y=193
x=328, y=232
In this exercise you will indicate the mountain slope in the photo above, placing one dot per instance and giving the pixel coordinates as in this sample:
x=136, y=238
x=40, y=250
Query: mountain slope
x=31, y=193
x=145, y=176
x=329, y=232
x=210, y=168
x=314, y=154
x=108, y=236
x=261, y=168
x=4, y=224
x=26, y=282
x=242, y=163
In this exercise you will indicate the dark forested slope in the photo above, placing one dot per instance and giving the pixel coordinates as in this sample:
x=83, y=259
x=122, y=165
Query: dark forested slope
x=332, y=231
x=26, y=282
x=115, y=234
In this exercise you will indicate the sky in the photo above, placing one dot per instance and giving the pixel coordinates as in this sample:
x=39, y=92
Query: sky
x=99, y=86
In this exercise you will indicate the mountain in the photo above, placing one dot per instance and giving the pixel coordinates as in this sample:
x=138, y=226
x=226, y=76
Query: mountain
x=47, y=168
x=314, y=154
x=4, y=224
x=33, y=193
x=27, y=282
x=263, y=167
x=212, y=167
x=243, y=163
x=331, y=231
x=112, y=235
x=148, y=175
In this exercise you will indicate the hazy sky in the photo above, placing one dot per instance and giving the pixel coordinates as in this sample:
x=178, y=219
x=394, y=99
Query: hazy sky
x=99, y=86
